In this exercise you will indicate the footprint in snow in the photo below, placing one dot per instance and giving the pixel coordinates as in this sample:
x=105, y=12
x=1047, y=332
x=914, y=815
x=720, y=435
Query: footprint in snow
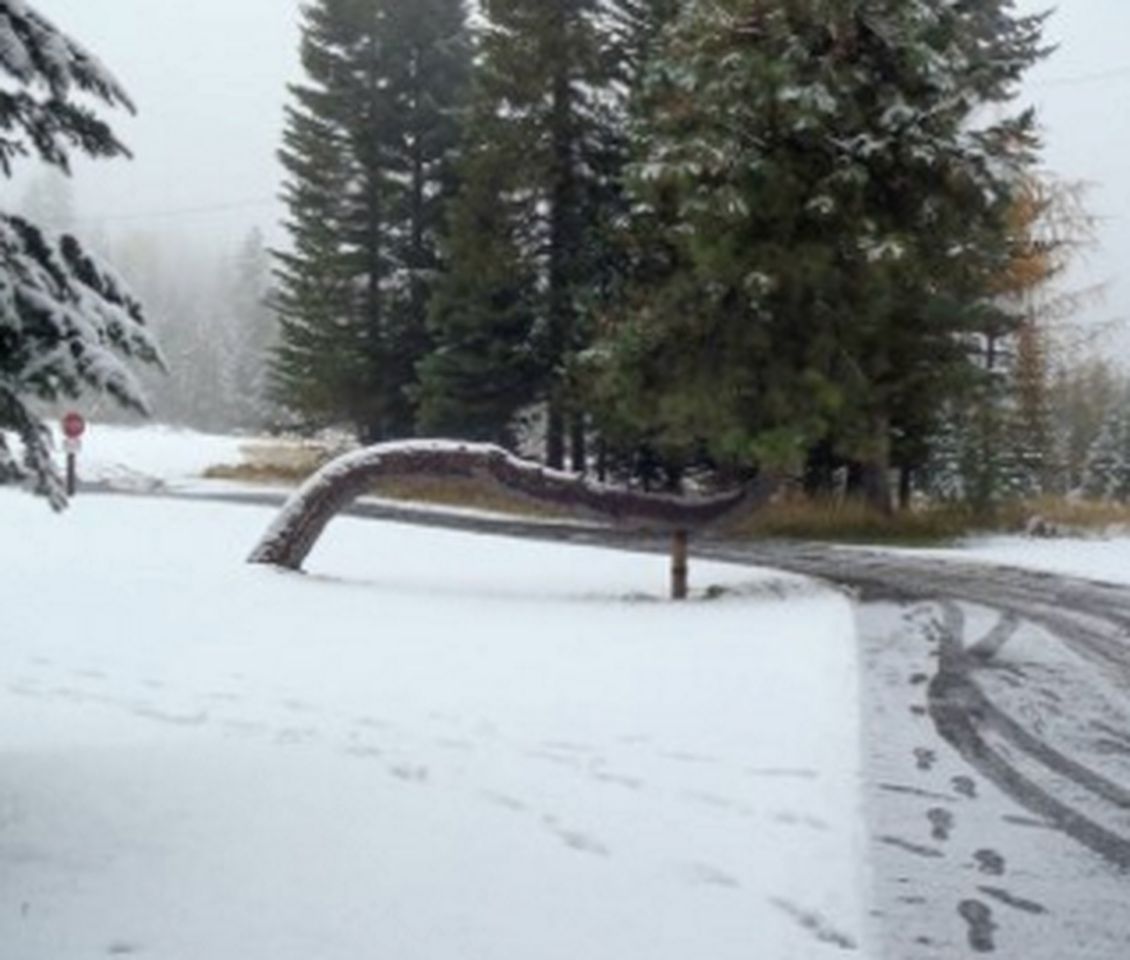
x=941, y=823
x=618, y=780
x=195, y=719
x=708, y=875
x=966, y=786
x=295, y=736
x=990, y=862
x=89, y=675
x=364, y=752
x=925, y=759
x=410, y=773
x=982, y=927
x=513, y=804
x=576, y=839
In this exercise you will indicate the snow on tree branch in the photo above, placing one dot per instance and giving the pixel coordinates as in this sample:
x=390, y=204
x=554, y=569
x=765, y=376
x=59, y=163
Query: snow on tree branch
x=34, y=50
x=68, y=324
x=50, y=67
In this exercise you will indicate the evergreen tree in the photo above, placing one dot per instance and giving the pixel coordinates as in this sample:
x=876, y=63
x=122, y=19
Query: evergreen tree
x=825, y=204
x=67, y=323
x=251, y=334
x=483, y=369
x=547, y=141
x=369, y=150
x=1030, y=428
x=1107, y=474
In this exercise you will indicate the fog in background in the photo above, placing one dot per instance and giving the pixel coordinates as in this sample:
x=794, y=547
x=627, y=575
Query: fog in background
x=209, y=79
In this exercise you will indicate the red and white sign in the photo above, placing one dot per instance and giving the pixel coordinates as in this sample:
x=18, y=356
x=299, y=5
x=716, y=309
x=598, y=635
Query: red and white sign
x=74, y=426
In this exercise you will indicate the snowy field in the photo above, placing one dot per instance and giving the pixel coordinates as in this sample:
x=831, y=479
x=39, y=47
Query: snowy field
x=143, y=458
x=433, y=747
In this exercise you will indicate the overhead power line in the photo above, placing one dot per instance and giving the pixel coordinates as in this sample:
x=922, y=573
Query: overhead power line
x=177, y=213
x=1114, y=73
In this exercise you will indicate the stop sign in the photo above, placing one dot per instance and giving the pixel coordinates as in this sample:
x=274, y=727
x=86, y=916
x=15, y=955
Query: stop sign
x=74, y=426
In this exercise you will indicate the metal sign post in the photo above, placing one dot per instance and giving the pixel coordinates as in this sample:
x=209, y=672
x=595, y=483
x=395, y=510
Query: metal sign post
x=74, y=426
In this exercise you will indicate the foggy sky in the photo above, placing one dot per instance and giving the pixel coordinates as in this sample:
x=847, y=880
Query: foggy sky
x=209, y=78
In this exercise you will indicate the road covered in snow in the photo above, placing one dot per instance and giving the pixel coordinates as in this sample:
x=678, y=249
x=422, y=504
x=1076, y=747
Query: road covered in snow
x=435, y=745
x=998, y=744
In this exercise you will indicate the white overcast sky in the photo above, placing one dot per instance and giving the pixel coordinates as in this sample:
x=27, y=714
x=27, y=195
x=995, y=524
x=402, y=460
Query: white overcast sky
x=209, y=78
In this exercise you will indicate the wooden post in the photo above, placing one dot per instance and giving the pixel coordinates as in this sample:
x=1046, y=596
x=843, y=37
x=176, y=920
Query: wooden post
x=680, y=565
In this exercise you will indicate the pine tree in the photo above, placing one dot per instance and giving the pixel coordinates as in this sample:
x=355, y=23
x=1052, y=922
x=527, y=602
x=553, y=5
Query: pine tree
x=1030, y=428
x=483, y=369
x=68, y=325
x=369, y=151
x=547, y=141
x=251, y=335
x=825, y=205
x=1107, y=473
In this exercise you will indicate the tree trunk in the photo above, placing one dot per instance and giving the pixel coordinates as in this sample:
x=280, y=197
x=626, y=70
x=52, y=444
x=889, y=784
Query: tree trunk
x=906, y=487
x=875, y=470
x=555, y=436
x=579, y=443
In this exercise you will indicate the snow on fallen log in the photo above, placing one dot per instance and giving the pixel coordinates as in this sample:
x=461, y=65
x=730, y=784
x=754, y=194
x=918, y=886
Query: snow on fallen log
x=302, y=521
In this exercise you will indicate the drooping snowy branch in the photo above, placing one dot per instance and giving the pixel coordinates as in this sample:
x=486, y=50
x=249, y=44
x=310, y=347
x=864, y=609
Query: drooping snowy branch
x=68, y=324
x=39, y=115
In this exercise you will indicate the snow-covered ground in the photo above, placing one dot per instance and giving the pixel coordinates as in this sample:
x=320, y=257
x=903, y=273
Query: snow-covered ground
x=434, y=746
x=1106, y=559
x=960, y=867
x=141, y=458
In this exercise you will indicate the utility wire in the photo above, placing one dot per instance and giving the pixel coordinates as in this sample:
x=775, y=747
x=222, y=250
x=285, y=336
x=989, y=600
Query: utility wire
x=1115, y=73
x=181, y=212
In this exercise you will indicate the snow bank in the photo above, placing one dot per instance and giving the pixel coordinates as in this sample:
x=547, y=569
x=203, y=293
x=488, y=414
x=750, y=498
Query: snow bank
x=435, y=746
x=149, y=457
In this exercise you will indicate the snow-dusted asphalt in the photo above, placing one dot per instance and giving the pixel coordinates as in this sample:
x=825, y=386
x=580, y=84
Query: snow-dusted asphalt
x=999, y=721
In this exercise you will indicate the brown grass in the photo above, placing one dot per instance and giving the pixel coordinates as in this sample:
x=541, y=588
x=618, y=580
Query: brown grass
x=853, y=521
x=287, y=463
x=1064, y=515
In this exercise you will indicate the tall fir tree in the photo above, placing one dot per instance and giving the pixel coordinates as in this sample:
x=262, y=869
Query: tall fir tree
x=825, y=199
x=547, y=143
x=369, y=151
x=483, y=368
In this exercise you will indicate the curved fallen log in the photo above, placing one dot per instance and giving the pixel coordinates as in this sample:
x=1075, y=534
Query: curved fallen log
x=305, y=517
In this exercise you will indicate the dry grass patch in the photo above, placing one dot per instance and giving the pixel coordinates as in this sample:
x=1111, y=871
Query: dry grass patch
x=283, y=462
x=848, y=520
x=1051, y=516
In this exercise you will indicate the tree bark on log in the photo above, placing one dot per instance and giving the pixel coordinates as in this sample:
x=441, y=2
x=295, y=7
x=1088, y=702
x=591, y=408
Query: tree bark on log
x=310, y=510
